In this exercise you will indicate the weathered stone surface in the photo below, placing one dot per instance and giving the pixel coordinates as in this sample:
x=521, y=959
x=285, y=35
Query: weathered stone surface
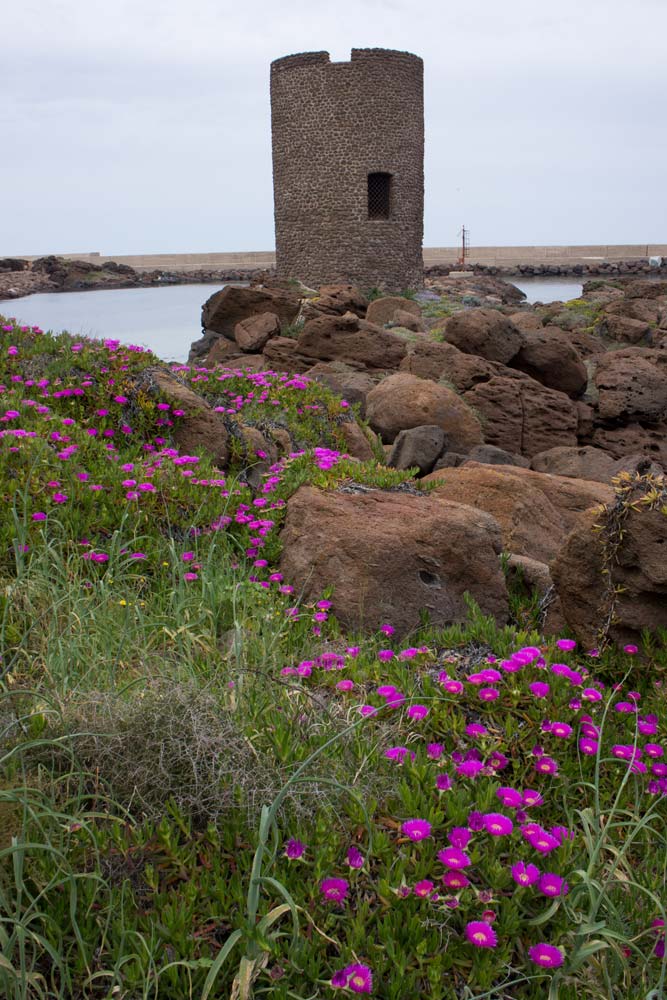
x=282, y=355
x=349, y=383
x=646, y=289
x=442, y=361
x=535, y=511
x=630, y=388
x=403, y=401
x=388, y=556
x=485, y=332
x=357, y=444
x=548, y=356
x=335, y=300
x=643, y=310
x=526, y=320
x=633, y=439
x=523, y=417
x=585, y=343
x=222, y=352
x=641, y=570
x=232, y=304
x=383, y=310
x=253, y=333
x=417, y=447
x=406, y=321
x=590, y=463
x=623, y=328
x=351, y=340
x=200, y=427
x=488, y=454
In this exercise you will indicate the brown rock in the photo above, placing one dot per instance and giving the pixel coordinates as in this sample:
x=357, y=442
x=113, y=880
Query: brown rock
x=403, y=401
x=348, y=383
x=646, y=289
x=281, y=354
x=488, y=454
x=589, y=463
x=630, y=388
x=201, y=428
x=383, y=310
x=335, y=300
x=390, y=556
x=526, y=320
x=623, y=328
x=351, y=340
x=357, y=444
x=222, y=352
x=548, y=356
x=232, y=304
x=418, y=448
x=640, y=570
x=436, y=361
x=523, y=417
x=485, y=332
x=406, y=321
x=253, y=333
x=585, y=343
x=646, y=311
x=633, y=439
x=535, y=511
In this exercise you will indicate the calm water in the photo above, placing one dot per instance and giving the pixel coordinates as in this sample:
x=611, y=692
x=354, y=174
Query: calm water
x=165, y=319
x=168, y=319
x=548, y=289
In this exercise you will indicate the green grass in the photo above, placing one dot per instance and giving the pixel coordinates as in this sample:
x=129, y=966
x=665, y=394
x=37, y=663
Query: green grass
x=171, y=715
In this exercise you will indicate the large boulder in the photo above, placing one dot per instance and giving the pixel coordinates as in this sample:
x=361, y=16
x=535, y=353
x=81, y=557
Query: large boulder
x=349, y=383
x=335, y=300
x=282, y=355
x=403, y=401
x=383, y=310
x=441, y=361
x=232, y=304
x=351, y=340
x=535, y=511
x=253, y=333
x=523, y=417
x=391, y=556
x=632, y=594
x=549, y=356
x=633, y=439
x=624, y=328
x=630, y=387
x=417, y=448
x=200, y=427
x=485, y=332
x=589, y=463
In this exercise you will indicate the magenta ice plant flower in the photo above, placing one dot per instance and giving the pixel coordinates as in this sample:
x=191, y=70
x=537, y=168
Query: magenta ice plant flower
x=416, y=829
x=524, y=874
x=552, y=885
x=334, y=890
x=454, y=857
x=548, y=956
x=294, y=849
x=497, y=824
x=481, y=934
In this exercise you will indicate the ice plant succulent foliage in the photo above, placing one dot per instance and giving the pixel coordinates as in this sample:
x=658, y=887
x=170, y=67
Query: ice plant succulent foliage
x=501, y=792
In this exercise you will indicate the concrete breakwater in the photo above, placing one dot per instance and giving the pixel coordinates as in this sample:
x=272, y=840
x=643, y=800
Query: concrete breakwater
x=587, y=257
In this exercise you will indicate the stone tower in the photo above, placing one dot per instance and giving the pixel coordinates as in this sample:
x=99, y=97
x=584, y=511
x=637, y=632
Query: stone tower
x=348, y=168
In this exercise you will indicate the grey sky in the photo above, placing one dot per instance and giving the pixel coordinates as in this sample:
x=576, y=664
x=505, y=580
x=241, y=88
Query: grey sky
x=144, y=125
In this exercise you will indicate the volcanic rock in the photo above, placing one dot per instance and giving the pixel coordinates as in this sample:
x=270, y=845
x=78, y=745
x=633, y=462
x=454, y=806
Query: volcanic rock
x=485, y=332
x=253, y=333
x=351, y=340
x=417, y=447
x=391, y=556
x=403, y=401
x=381, y=311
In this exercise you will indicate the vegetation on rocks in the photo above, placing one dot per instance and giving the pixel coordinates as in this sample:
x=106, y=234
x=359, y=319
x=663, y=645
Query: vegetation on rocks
x=210, y=790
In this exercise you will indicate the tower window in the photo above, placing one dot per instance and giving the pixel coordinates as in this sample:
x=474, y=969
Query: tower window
x=379, y=196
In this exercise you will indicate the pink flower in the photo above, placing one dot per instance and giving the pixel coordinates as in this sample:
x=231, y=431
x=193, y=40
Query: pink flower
x=525, y=874
x=566, y=644
x=497, y=824
x=417, y=712
x=358, y=978
x=546, y=765
x=488, y=694
x=334, y=890
x=423, y=888
x=294, y=849
x=510, y=797
x=454, y=857
x=481, y=934
x=539, y=688
x=416, y=829
x=387, y=629
x=455, y=879
x=385, y=654
x=552, y=885
x=355, y=858
x=546, y=955
x=469, y=768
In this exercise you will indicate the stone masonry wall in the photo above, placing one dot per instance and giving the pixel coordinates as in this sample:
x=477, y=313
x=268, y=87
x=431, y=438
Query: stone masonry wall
x=332, y=125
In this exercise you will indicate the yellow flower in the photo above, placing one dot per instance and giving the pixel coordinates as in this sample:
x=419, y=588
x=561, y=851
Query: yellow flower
x=123, y=602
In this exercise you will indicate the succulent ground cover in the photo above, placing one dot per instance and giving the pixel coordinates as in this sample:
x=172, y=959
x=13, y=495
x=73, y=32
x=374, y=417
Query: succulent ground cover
x=208, y=790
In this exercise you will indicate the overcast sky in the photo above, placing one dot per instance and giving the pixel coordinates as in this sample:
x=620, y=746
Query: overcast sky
x=144, y=125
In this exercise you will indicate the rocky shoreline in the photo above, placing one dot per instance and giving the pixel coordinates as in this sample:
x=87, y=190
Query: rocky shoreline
x=20, y=277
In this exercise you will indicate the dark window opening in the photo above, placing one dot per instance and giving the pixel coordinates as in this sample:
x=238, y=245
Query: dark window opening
x=379, y=196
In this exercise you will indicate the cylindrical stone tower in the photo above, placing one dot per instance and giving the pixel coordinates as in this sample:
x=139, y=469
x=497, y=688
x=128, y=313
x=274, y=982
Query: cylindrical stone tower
x=348, y=168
